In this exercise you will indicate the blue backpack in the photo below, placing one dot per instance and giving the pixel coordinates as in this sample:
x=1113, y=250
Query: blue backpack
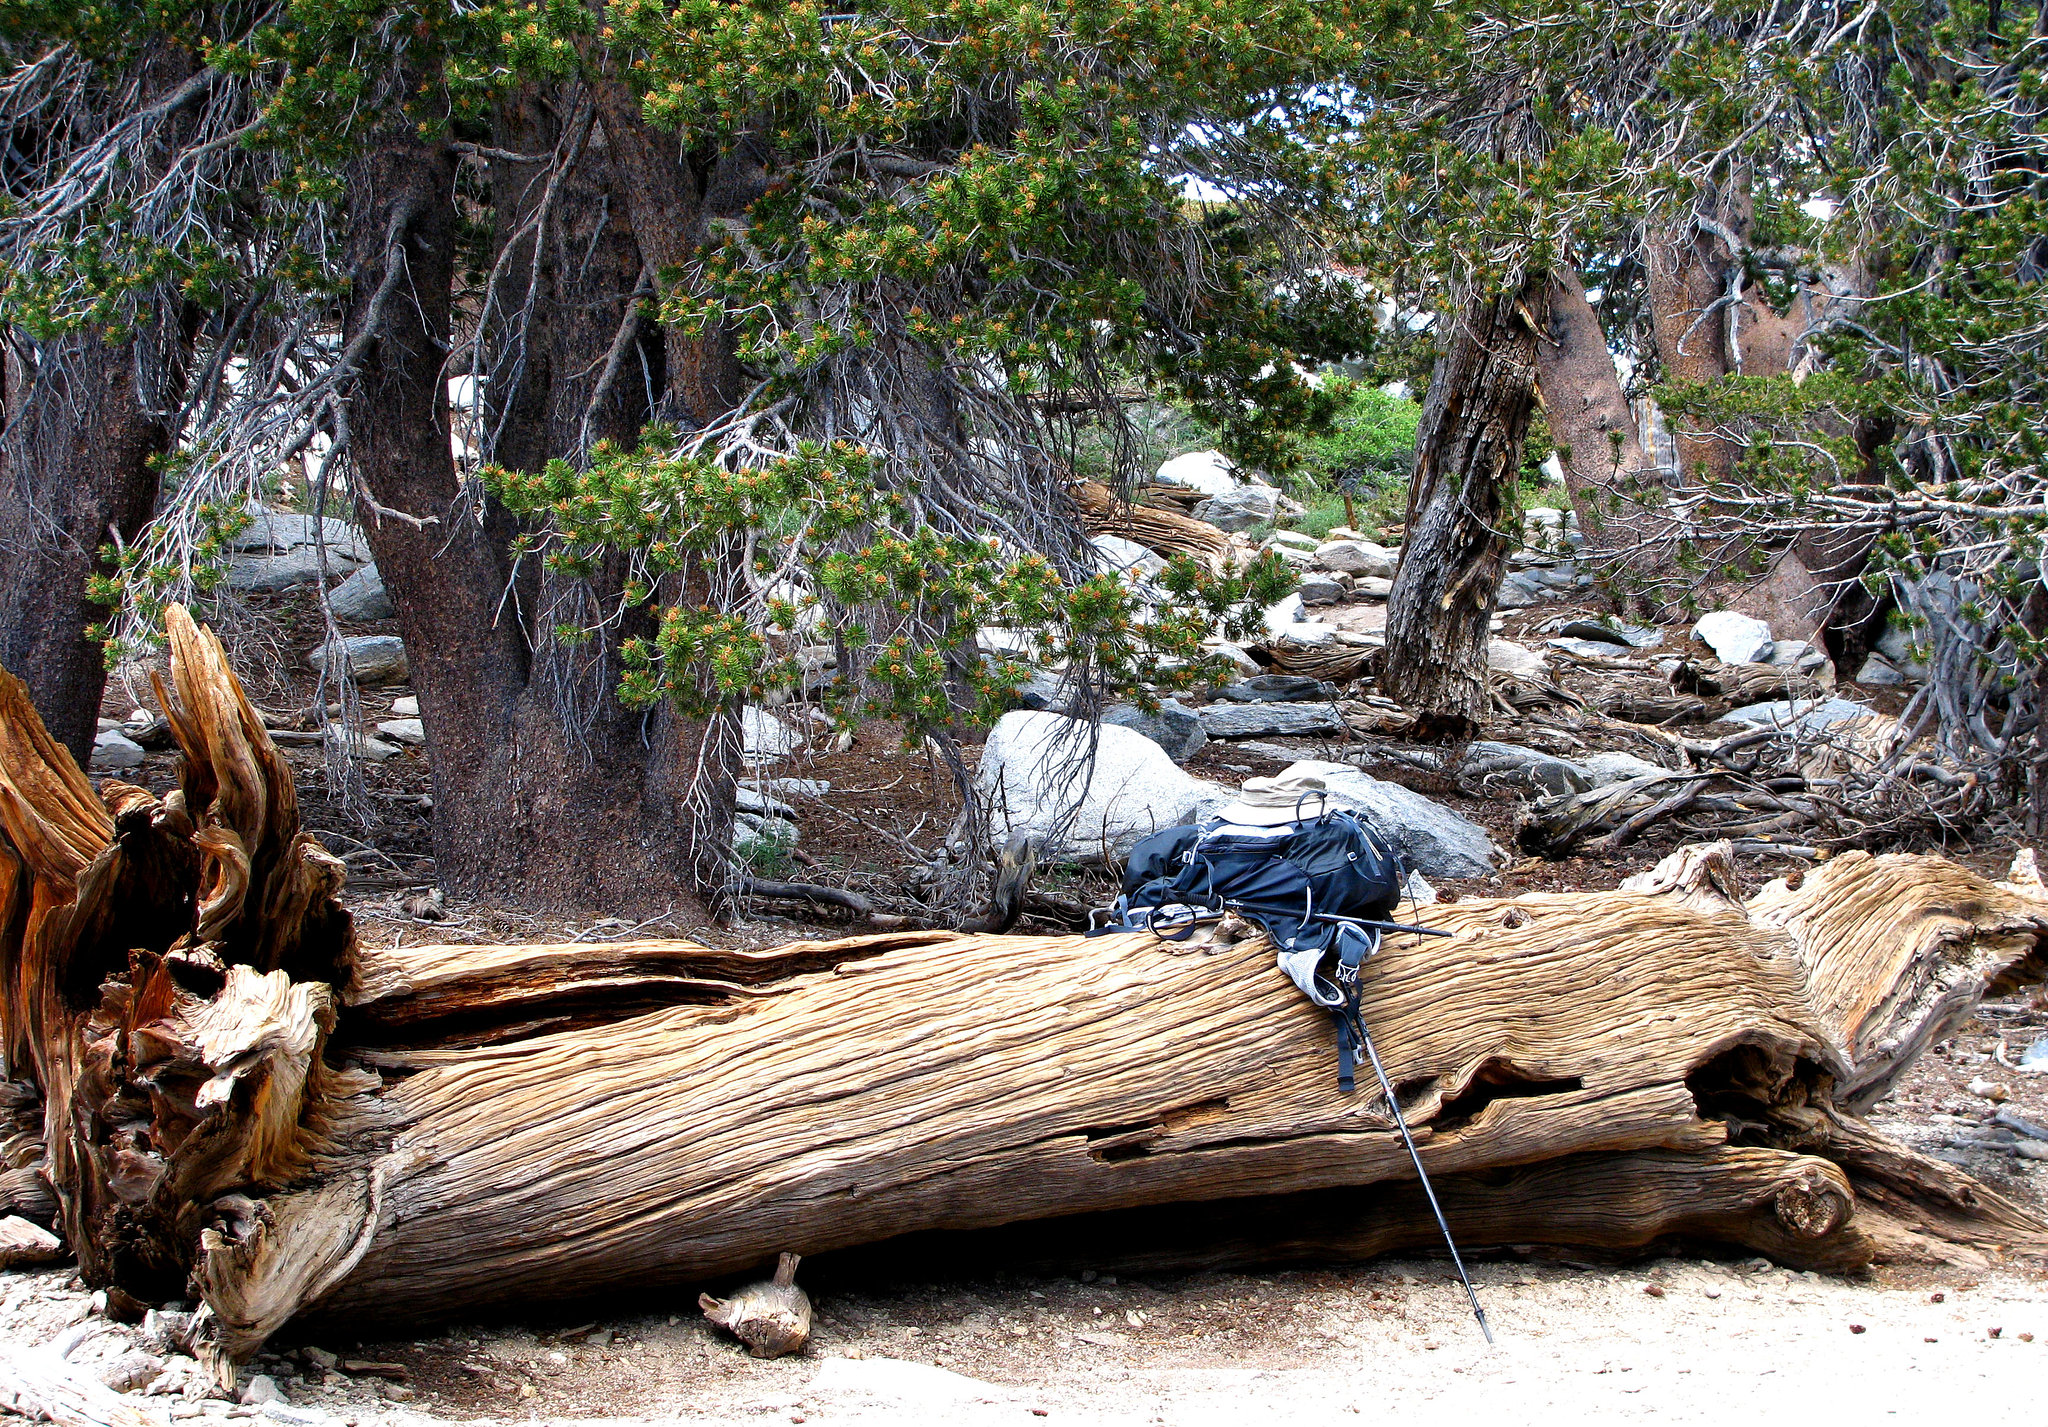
x=1315, y=887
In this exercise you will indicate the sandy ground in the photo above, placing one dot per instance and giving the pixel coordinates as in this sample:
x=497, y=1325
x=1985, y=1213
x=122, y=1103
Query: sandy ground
x=1717, y=1342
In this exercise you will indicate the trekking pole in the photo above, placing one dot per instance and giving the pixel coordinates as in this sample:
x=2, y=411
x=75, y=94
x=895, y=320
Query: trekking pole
x=1400, y=1122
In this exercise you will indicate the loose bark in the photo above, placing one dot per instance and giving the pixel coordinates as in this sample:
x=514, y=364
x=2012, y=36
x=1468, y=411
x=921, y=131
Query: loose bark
x=1467, y=455
x=246, y=1107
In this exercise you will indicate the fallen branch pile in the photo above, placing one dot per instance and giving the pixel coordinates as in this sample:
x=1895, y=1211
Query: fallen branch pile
x=242, y=1105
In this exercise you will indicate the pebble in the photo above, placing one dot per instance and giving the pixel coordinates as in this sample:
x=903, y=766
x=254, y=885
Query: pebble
x=1991, y=1090
x=1655, y=1290
x=260, y=1389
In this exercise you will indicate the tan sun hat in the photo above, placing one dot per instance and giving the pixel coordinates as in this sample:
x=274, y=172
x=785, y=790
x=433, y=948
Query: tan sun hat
x=1285, y=798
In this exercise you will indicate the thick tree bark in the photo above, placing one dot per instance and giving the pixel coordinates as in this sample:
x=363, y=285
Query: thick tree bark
x=546, y=790
x=75, y=476
x=244, y=1106
x=1460, y=503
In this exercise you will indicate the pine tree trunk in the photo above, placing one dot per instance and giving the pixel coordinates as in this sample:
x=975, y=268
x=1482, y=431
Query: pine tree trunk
x=75, y=476
x=243, y=1104
x=1460, y=505
x=539, y=799
x=1606, y=470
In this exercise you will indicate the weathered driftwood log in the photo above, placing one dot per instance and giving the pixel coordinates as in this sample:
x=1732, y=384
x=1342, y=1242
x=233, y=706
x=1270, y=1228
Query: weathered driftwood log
x=1164, y=532
x=244, y=1106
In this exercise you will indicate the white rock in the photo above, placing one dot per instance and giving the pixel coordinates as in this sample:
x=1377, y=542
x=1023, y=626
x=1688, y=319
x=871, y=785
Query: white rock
x=1357, y=557
x=1293, y=540
x=1018, y=643
x=407, y=707
x=1611, y=768
x=1433, y=839
x=282, y=530
x=1120, y=555
x=1508, y=657
x=1235, y=653
x=753, y=800
x=260, y=1389
x=1283, y=616
x=113, y=750
x=372, y=658
x=1240, y=509
x=1372, y=587
x=361, y=597
x=1308, y=635
x=1808, y=715
x=268, y=574
x=1030, y=775
x=766, y=736
x=1210, y=472
x=1734, y=637
x=405, y=730
x=376, y=750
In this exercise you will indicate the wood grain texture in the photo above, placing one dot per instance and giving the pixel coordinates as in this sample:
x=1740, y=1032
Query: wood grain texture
x=242, y=1105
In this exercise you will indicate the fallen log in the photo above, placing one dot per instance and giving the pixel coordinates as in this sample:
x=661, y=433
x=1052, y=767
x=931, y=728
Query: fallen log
x=245, y=1106
x=1164, y=532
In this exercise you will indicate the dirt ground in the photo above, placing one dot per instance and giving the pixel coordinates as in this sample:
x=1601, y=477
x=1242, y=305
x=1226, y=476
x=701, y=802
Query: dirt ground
x=1670, y=1340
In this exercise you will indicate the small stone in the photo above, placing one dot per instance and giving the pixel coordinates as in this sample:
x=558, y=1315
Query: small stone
x=1372, y=587
x=1655, y=1290
x=320, y=1358
x=361, y=597
x=1271, y=720
x=1357, y=557
x=1293, y=540
x=1611, y=768
x=1878, y=673
x=1210, y=472
x=2026, y=1337
x=272, y=574
x=1713, y=1293
x=260, y=1389
x=1174, y=727
x=114, y=751
x=396, y=1391
x=1735, y=638
x=1507, y=657
x=129, y=1371
x=1309, y=636
x=376, y=750
x=1278, y=689
x=1937, y=1298
x=1240, y=509
x=407, y=707
x=372, y=658
x=1858, y=1328
x=405, y=730
x=1320, y=589
x=1991, y=1090
x=1995, y=1332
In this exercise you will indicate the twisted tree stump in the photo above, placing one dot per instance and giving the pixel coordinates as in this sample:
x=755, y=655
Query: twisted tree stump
x=241, y=1104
